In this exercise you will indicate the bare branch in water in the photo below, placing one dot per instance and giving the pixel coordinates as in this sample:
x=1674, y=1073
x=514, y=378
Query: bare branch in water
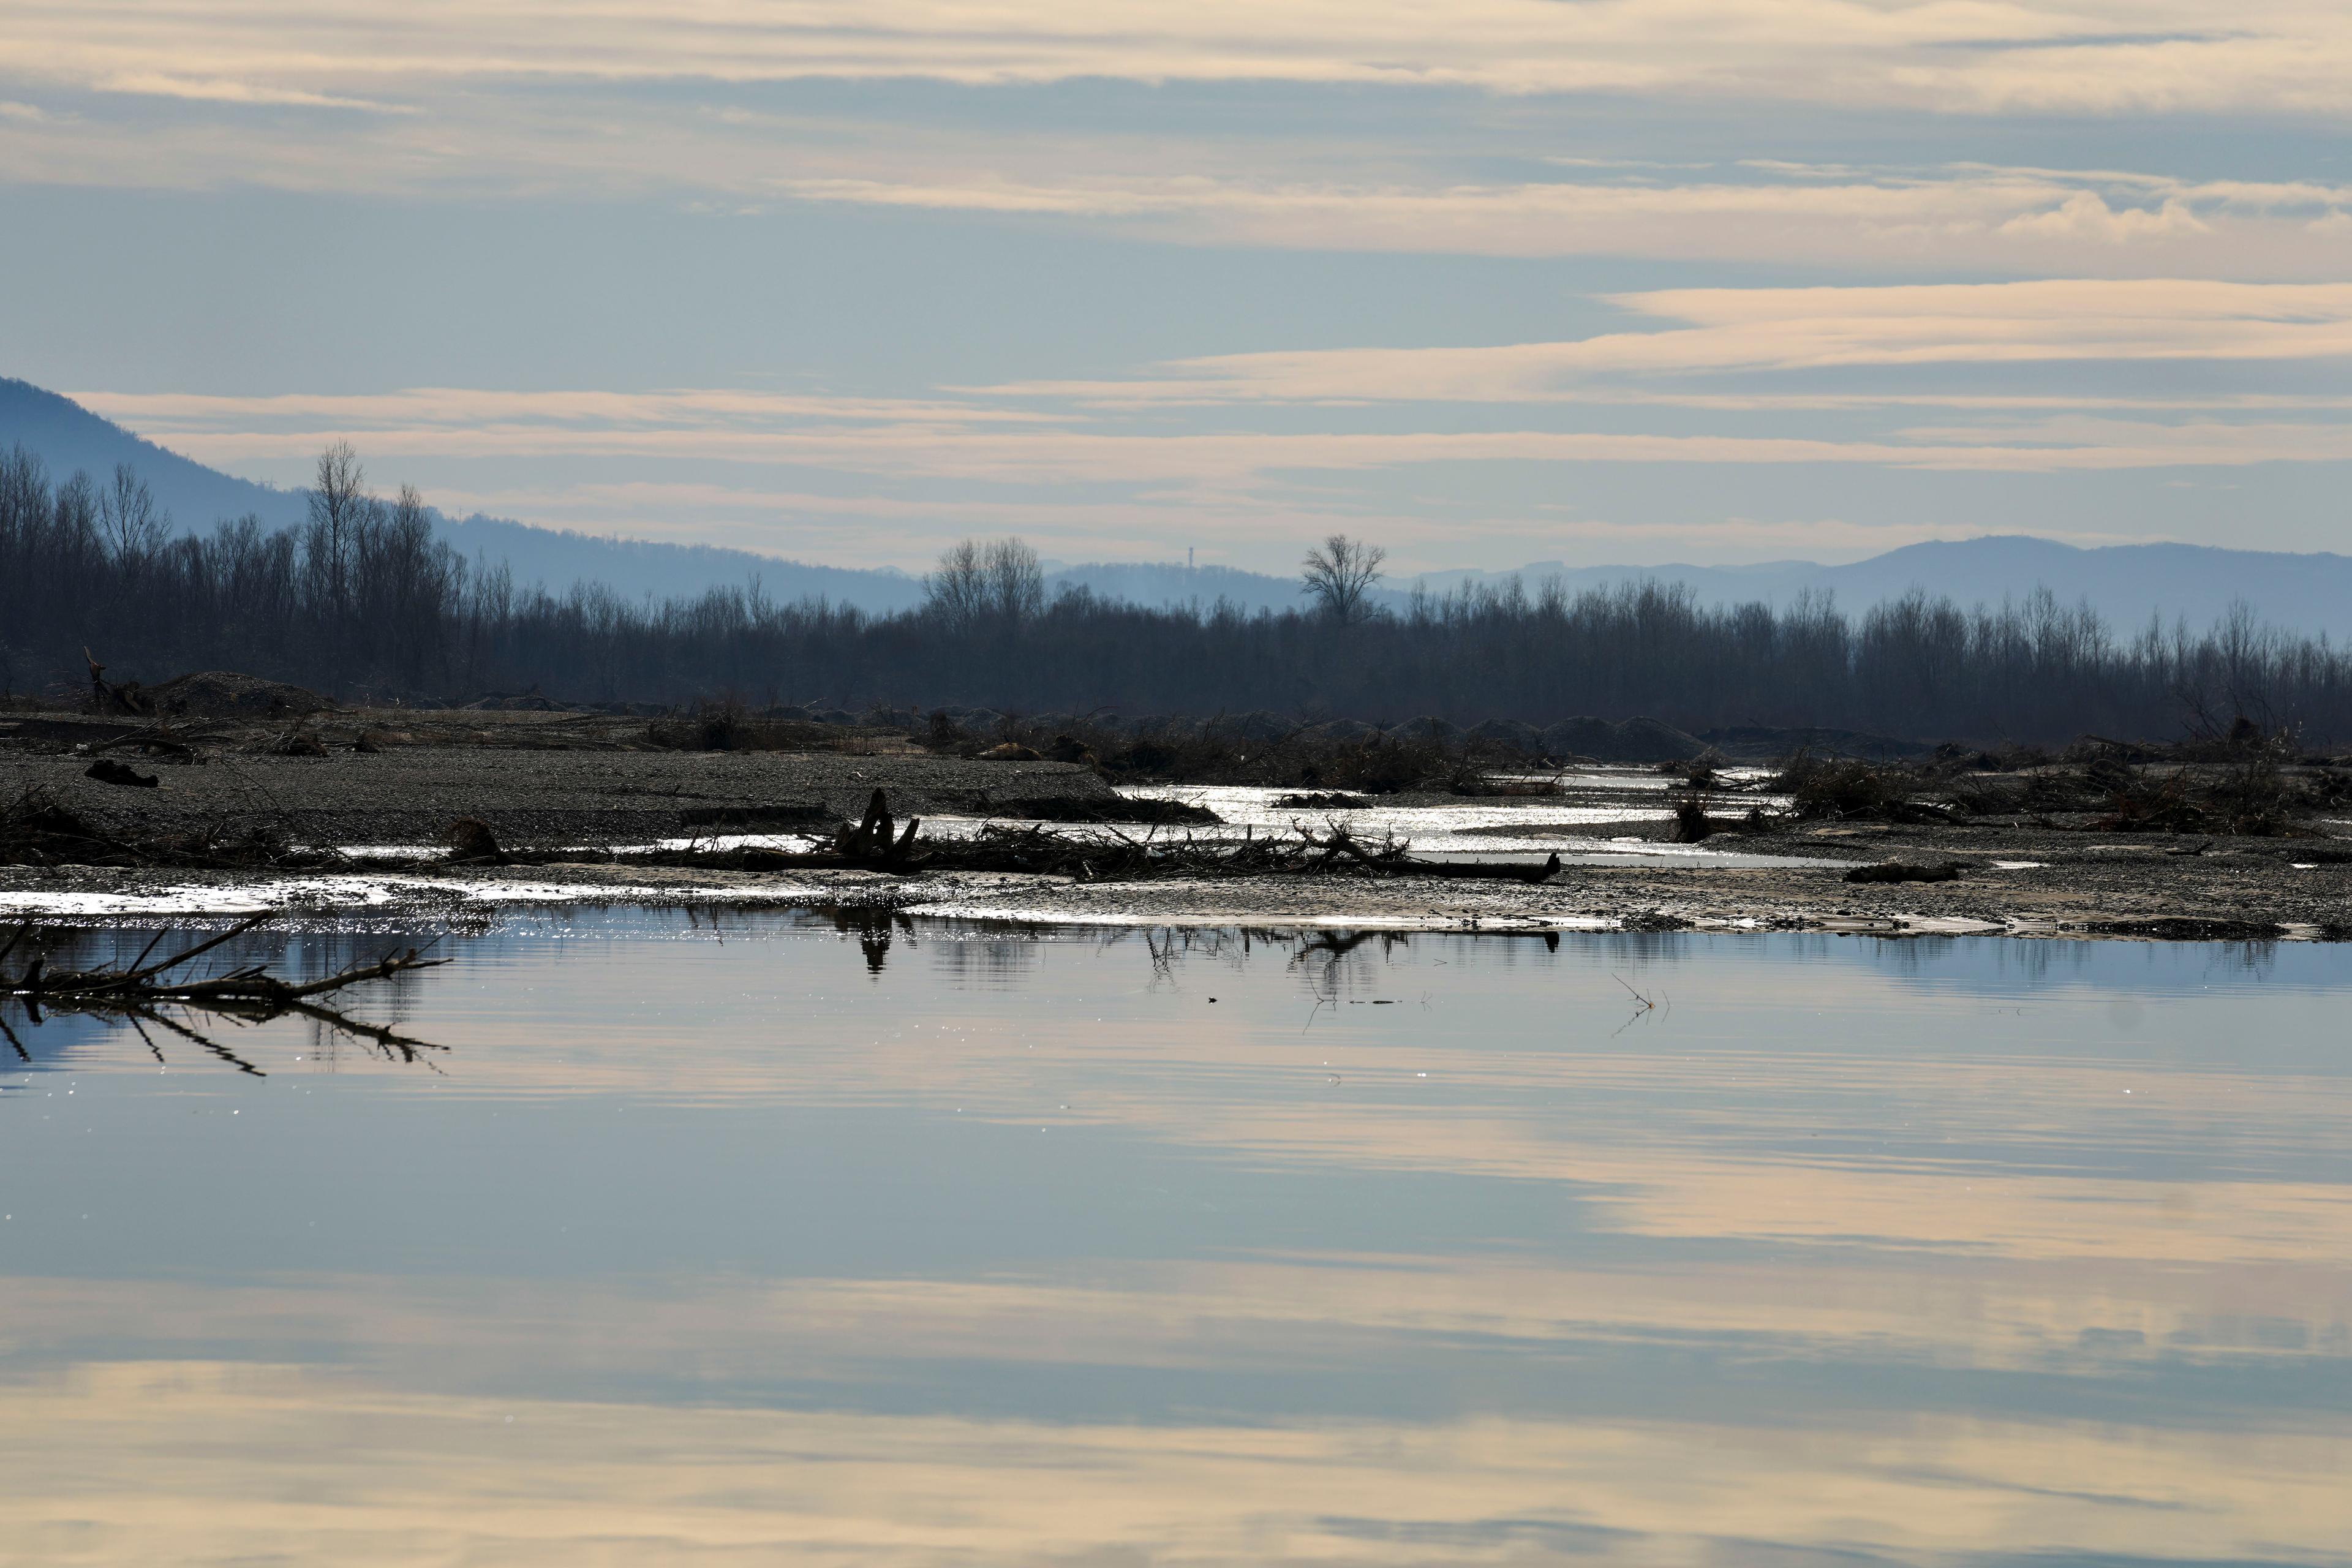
x=247, y=995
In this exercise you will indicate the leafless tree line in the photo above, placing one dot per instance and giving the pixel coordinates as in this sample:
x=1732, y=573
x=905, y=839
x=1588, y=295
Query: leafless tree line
x=362, y=599
x=362, y=591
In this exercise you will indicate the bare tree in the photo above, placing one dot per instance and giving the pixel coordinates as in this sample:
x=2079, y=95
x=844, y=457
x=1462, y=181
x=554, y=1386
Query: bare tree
x=1001, y=583
x=1339, y=574
x=411, y=581
x=338, y=507
x=1016, y=580
x=957, y=592
x=76, y=511
x=128, y=518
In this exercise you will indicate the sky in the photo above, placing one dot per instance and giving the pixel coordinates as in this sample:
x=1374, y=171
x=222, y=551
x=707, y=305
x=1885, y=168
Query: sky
x=1488, y=282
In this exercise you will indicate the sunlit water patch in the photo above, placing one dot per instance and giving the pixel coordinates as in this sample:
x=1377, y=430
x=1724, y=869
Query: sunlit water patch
x=717, y=1236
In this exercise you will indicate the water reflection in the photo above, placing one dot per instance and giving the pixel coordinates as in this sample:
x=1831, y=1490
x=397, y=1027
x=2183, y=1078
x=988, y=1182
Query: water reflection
x=873, y=928
x=976, y=1245
x=159, y=992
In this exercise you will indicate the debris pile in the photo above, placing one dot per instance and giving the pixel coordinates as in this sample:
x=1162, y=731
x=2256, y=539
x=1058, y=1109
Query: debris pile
x=36, y=829
x=1099, y=853
x=1845, y=789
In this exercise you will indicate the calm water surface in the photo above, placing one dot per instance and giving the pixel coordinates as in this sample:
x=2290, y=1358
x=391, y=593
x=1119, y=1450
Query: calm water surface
x=800, y=1239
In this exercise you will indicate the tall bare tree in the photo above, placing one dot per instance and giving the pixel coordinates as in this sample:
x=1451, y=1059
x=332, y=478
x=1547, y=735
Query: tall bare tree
x=1001, y=583
x=76, y=511
x=1016, y=580
x=128, y=518
x=1338, y=575
x=339, y=507
x=956, y=591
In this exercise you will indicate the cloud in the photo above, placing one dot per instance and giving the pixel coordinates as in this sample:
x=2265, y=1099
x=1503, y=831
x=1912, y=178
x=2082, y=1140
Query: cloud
x=1930, y=217
x=1914, y=379
x=440, y=97
x=1262, y=190
x=2086, y=215
x=1784, y=329
x=2096, y=56
x=214, y=90
x=1052, y=454
x=475, y=407
x=1259, y=190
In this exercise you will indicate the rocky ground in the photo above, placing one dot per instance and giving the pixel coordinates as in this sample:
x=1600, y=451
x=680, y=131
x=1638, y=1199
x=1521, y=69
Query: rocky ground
x=536, y=779
x=537, y=784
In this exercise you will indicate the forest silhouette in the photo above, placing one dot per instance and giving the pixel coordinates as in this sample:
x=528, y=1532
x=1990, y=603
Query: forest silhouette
x=362, y=601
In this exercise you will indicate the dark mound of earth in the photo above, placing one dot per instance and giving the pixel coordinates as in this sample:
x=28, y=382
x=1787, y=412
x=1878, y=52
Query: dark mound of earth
x=1092, y=808
x=1758, y=742
x=1635, y=740
x=226, y=694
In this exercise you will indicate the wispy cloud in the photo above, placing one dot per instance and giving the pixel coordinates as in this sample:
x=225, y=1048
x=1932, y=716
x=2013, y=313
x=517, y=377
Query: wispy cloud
x=2075, y=55
x=1910, y=218
x=468, y=408
x=689, y=100
x=1197, y=186
x=2163, y=319
x=1782, y=330
x=215, y=89
x=1044, y=436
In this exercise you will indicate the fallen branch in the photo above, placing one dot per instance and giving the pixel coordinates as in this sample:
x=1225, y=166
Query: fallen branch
x=250, y=994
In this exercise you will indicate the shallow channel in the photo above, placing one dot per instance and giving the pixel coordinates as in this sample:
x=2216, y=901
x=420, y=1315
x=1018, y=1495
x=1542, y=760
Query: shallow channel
x=717, y=1237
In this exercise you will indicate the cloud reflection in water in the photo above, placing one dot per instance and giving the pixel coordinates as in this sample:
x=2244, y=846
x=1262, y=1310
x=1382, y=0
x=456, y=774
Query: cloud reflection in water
x=1014, y=1247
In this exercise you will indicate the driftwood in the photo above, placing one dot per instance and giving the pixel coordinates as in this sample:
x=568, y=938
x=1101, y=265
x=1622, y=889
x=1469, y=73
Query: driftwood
x=876, y=840
x=141, y=992
x=106, y=697
x=1100, y=853
x=471, y=843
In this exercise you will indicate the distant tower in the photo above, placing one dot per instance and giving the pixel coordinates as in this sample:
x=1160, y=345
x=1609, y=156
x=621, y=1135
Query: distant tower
x=1187, y=558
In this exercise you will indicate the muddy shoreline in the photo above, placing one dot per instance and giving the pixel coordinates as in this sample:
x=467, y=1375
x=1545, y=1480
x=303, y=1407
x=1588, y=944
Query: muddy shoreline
x=2015, y=877
x=2222, y=902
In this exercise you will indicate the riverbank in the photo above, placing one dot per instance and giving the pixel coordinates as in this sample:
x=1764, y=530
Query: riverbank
x=589, y=812
x=2092, y=889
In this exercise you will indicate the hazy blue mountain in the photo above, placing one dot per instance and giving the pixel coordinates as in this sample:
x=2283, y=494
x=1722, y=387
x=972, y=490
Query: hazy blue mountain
x=67, y=437
x=559, y=558
x=2128, y=582
x=1174, y=583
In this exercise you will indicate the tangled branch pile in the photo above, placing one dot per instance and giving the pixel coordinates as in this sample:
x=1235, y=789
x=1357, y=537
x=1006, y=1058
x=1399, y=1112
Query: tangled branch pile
x=1101, y=853
x=1113, y=856
x=1844, y=789
x=2106, y=786
x=36, y=829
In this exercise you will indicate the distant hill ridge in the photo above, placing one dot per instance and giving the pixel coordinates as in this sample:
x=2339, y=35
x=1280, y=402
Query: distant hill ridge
x=67, y=437
x=2127, y=584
